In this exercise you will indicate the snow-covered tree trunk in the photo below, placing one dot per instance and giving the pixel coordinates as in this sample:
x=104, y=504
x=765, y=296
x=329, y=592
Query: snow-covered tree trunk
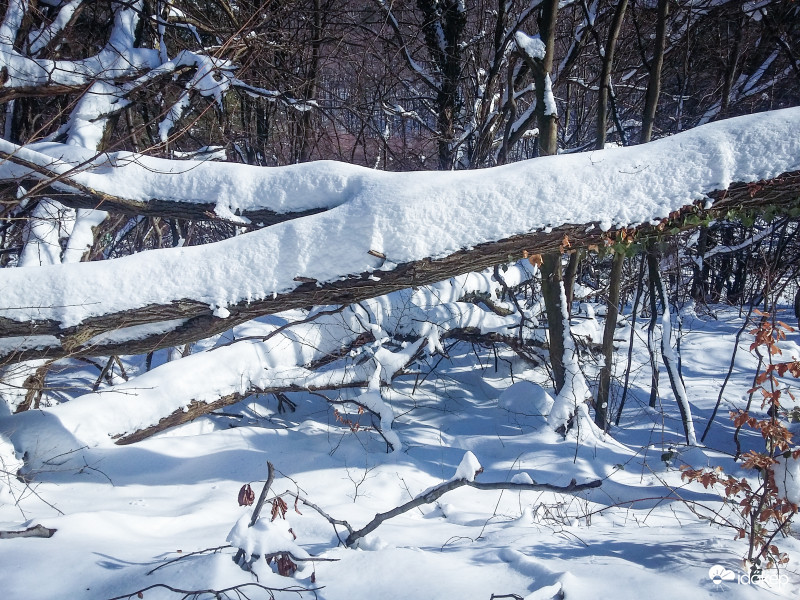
x=535, y=206
x=671, y=365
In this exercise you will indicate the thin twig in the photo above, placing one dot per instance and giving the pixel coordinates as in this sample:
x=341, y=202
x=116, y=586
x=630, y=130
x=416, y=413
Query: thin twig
x=326, y=516
x=435, y=493
x=181, y=557
x=259, y=505
x=216, y=593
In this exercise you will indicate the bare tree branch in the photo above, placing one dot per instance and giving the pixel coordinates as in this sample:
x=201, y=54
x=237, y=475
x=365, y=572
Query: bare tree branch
x=437, y=492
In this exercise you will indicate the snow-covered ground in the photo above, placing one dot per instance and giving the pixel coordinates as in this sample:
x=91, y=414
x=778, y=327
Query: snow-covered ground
x=122, y=513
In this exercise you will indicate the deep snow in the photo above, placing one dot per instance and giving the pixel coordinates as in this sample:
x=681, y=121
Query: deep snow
x=122, y=511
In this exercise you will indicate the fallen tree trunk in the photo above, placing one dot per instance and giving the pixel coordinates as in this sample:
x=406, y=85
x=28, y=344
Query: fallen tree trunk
x=265, y=359
x=308, y=381
x=170, y=299
x=187, y=321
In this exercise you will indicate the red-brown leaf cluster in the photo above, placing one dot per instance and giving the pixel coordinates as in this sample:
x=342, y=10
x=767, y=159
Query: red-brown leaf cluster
x=279, y=508
x=246, y=495
x=286, y=566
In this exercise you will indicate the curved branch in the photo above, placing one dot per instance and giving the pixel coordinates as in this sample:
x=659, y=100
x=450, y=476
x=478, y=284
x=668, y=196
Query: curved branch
x=437, y=492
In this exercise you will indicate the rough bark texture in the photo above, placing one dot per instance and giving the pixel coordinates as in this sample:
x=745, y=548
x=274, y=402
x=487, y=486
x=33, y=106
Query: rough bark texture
x=551, y=293
x=548, y=146
x=199, y=322
x=39, y=531
x=612, y=310
x=653, y=283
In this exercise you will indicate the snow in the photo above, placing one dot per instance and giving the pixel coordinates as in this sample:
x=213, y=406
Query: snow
x=787, y=477
x=521, y=478
x=571, y=398
x=10, y=463
x=122, y=511
x=87, y=121
x=405, y=216
x=526, y=397
x=208, y=80
x=117, y=60
x=264, y=358
x=468, y=467
x=37, y=40
x=82, y=236
x=373, y=400
x=532, y=46
x=42, y=235
x=535, y=49
x=264, y=538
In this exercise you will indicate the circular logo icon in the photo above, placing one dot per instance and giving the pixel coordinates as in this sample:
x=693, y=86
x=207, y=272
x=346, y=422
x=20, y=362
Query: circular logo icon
x=718, y=574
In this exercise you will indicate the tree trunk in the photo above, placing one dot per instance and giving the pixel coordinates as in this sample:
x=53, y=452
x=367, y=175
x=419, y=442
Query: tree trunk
x=197, y=321
x=552, y=278
x=570, y=275
x=605, y=74
x=612, y=310
x=654, y=81
x=551, y=292
x=653, y=280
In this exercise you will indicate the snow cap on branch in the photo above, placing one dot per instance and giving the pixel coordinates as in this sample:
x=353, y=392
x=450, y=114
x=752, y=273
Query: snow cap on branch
x=264, y=538
x=532, y=47
x=468, y=468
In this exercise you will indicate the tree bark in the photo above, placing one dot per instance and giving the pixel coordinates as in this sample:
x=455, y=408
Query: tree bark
x=547, y=144
x=605, y=74
x=570, y=276
x=612, y=310
x=198, y=322
x=551, y=291
x=39, y=531
x=654, y=81
x=653, y=285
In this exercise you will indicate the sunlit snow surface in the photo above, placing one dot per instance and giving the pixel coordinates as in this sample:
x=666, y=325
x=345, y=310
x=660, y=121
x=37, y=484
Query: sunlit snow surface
x=127, y=510
x=404, y=216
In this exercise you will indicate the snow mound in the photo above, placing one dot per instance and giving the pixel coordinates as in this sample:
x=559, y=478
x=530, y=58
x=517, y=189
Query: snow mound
x=9, y=465
x=521, y=477
x=527, y=398
x=468, y=468
x=264, y=538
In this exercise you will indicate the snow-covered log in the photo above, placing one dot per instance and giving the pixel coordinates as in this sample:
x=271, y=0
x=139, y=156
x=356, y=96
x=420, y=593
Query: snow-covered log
x=387, y=231
x=185, y=189
x=369, y=338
